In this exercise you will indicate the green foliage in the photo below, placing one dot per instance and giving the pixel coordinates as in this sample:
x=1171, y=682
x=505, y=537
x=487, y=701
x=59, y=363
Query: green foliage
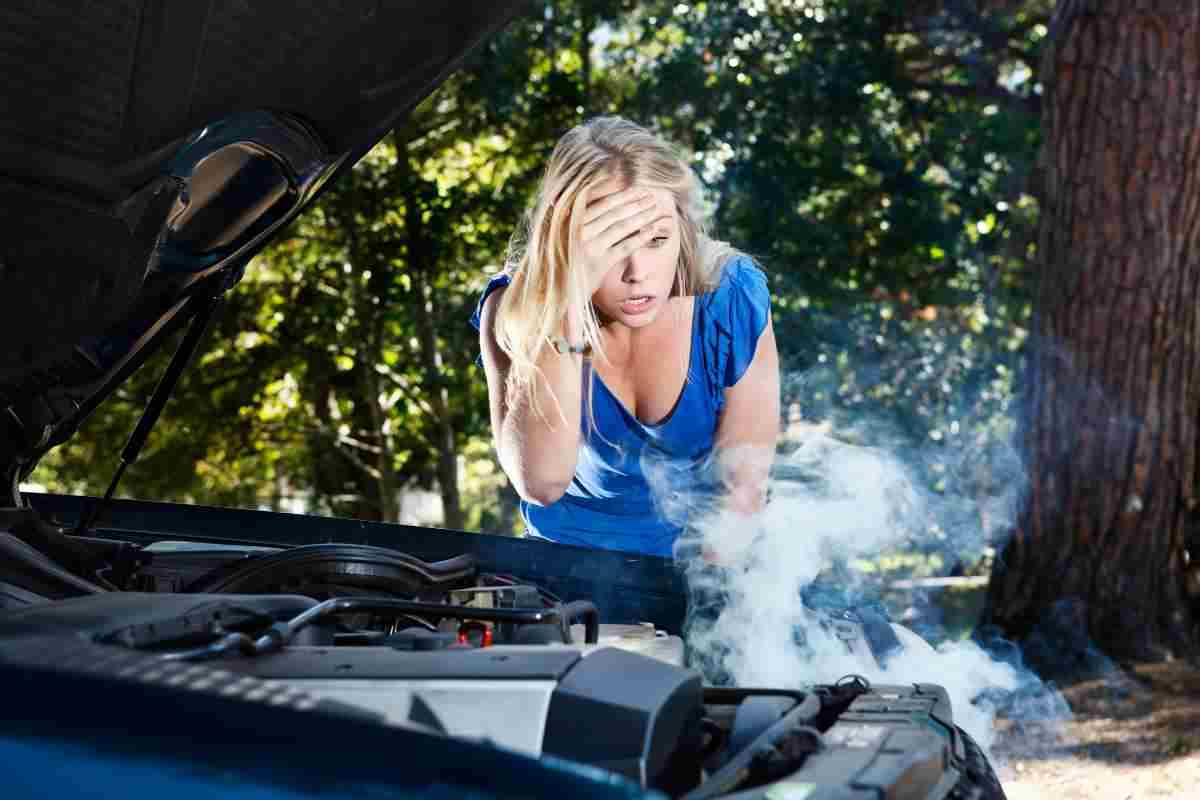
x=875, y=161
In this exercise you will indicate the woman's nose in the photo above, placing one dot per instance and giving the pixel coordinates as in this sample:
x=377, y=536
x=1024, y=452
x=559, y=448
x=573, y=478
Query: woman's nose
x=637, y=267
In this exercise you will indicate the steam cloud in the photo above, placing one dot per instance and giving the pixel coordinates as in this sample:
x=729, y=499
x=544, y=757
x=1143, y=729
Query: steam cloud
x=837, y=502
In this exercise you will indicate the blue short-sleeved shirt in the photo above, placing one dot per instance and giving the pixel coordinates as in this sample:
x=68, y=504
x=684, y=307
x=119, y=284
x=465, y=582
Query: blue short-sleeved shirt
x=635, y=484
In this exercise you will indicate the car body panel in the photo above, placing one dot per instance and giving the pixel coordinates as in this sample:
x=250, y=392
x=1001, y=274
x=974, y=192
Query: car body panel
x=626, y=587
x=148, y=150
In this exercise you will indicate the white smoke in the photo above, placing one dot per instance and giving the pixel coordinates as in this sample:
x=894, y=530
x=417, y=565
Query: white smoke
x=845, y=501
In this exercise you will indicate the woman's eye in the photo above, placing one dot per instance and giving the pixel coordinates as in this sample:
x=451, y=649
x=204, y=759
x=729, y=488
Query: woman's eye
x=659, y=241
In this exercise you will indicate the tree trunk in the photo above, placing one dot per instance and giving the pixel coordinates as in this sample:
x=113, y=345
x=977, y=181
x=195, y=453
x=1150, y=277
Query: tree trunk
x=385, y=474
x=439, y=399
x=377, y=469
x=1113, y=376
x=586, y=29
x=422, y=258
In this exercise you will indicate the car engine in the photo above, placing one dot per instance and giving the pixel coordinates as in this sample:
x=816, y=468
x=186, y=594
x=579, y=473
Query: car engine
x=450, y=651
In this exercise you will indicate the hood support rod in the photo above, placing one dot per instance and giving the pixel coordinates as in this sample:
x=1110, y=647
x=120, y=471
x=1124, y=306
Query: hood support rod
x=162, y=392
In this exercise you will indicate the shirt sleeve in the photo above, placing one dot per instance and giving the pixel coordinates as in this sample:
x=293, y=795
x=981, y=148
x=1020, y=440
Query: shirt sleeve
x=743, y=305
x=495, y=282
x=498, y=280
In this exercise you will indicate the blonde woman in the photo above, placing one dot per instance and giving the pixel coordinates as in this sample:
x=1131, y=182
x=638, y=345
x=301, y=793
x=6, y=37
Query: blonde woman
x=626, y=352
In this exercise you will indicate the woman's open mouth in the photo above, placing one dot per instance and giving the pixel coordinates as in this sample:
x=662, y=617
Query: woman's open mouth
x=637, y=304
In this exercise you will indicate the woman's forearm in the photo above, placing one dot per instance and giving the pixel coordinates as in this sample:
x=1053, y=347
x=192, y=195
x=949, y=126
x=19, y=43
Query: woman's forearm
x=539, y=437
x=745, y=475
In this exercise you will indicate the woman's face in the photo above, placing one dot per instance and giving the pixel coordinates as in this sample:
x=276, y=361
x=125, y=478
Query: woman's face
x=636, y=289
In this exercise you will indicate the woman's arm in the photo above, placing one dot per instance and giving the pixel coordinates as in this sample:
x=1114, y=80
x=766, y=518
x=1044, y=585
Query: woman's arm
x=749, y=428
x=538, y=452
x=537, y=437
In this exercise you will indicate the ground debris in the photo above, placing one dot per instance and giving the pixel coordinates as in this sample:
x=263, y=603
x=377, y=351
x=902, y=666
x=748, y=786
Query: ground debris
x=1134, y=733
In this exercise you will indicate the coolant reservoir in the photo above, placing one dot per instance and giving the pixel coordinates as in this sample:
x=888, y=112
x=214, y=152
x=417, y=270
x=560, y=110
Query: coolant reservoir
x=642, y=638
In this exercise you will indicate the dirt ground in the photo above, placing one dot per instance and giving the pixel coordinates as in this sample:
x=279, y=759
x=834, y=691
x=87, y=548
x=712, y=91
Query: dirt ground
x=1133, y=734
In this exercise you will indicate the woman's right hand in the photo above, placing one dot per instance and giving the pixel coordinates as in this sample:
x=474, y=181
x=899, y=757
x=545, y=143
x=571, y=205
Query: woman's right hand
x=617, y=222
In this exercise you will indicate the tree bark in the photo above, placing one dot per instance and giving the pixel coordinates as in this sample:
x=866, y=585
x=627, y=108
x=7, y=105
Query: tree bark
x=586, y=29
x=439, y=398
x=379, y=475
x=422, y=258
x=1113, y=376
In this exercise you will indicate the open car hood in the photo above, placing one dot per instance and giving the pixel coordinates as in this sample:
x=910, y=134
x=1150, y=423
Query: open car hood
x=148, y=150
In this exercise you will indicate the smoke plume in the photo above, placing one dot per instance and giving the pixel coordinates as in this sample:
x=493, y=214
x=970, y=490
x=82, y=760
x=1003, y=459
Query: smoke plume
x=757, y=582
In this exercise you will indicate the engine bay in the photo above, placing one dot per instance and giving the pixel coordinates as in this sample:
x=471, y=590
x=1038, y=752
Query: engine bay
x=448, y=650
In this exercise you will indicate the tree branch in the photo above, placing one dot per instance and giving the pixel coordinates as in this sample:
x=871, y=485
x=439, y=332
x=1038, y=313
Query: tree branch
x=403, y=384
x=1032, y=104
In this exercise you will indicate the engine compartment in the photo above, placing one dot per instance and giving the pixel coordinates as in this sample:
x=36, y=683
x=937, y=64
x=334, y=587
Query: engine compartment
x=446, y=650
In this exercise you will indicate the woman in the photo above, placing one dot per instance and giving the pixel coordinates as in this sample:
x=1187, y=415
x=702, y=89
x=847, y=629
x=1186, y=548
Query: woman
x=630, y=359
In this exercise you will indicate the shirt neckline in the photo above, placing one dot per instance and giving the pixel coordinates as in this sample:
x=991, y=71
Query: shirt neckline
x=687, y=380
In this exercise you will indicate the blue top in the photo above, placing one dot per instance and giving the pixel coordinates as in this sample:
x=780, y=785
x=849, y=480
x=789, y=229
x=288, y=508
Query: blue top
x=635, y=484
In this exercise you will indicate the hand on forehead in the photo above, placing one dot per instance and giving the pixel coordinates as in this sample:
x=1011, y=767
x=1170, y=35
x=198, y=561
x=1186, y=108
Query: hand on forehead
x=611, y=187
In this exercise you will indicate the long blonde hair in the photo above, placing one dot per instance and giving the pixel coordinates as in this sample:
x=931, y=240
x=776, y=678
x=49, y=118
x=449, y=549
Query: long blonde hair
x=544, y=287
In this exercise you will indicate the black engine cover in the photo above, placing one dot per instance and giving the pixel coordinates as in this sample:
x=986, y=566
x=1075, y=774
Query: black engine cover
x=631, y=715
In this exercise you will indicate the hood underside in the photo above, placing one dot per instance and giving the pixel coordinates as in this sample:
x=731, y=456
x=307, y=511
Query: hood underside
x=149, y=149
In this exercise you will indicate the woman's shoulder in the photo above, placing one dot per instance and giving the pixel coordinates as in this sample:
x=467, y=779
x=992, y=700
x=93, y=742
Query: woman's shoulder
x=495, y=284
x=736, y=313
x=740, y=281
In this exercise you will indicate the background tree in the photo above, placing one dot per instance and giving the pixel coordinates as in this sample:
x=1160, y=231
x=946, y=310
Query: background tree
x=1114, y=369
